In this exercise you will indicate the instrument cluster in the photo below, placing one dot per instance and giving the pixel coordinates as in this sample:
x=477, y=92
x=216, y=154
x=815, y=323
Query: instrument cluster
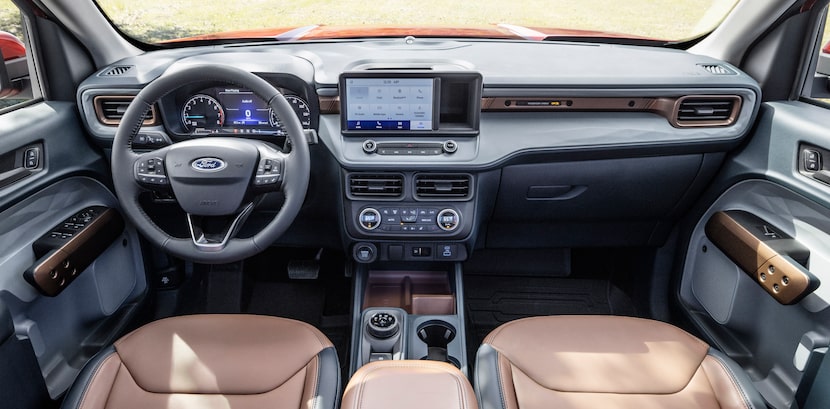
x=227, y=110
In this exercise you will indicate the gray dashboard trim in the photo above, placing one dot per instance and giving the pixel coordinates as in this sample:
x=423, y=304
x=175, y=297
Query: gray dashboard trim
x=506, y=135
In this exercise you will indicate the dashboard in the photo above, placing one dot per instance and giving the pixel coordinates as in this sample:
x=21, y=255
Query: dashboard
x=447, y=144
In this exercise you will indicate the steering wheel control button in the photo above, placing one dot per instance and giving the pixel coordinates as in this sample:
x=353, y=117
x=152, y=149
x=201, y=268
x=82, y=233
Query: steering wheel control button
x=365, y=252
x=450, y=146
x=448, y=220
x=370, y=146
x=153, y=141
x=150, y=171
x=382, y=325
x=268, y=172
x=369, y=219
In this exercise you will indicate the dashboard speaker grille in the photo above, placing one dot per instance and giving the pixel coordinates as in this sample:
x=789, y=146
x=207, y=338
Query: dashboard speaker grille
x=116, y=71
x=707, y=110
x=717, y=69
x=443, y=186
x=110, y=109
x=376, y=185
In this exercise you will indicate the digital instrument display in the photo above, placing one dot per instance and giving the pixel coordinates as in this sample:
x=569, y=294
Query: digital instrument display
x=243, y=108
x=237, y=110
x=390, y=104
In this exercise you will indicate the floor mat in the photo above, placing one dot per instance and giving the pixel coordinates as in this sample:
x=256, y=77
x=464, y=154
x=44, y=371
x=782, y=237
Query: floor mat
x=322, y=302
x=494, y=300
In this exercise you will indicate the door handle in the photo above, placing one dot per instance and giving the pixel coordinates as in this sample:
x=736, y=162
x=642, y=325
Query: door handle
x=776, y=261
x=20, y=163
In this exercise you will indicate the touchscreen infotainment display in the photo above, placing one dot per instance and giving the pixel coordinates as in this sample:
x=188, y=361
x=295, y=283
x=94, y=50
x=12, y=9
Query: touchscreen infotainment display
x=390, y=104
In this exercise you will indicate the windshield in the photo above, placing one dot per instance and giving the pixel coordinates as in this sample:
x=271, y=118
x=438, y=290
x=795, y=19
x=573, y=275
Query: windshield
x=158, y=21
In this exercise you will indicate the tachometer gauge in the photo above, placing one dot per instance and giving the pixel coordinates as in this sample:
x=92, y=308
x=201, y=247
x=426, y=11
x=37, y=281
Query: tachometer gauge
x=202, y=111
x=300, y=108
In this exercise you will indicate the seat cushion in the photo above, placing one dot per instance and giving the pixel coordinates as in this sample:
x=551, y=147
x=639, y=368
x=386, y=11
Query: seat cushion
x=222, y=361
x=609, y=362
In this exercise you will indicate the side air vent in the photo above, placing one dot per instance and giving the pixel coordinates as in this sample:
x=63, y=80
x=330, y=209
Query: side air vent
x=116, y=71
x=706, y=110
x=717, y=69
x=110, y=109
x=376, y=185
x=442, y=186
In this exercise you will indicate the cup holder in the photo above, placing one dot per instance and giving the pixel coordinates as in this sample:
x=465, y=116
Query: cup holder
x=437, y=335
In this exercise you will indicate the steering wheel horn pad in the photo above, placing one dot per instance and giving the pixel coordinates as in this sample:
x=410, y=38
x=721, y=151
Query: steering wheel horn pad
x=210, y=176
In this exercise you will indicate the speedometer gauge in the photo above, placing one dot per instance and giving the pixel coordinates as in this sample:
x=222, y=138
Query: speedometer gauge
x=202, y=111
x=300, y=108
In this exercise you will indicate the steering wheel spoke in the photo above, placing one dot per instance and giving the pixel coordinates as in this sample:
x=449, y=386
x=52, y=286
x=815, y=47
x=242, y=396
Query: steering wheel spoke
x=212, y=234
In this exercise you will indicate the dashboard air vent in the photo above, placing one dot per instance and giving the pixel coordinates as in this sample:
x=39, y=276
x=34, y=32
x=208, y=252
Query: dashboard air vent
x=116, y=71
x=706, y=110
x=717, y=69
x=376, y=185
x=110, y=109
x=444, y=186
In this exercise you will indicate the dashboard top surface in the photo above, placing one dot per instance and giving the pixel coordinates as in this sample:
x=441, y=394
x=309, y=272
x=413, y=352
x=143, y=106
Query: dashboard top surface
x=640, y=76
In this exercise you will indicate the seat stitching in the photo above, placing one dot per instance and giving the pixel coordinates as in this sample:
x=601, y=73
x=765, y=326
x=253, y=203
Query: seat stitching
x=316, y=390
x=734, y=382
x=501, y=377
x=95, y=374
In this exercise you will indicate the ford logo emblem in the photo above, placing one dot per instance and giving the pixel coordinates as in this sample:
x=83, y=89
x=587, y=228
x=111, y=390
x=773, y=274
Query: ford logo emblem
x=208, y=164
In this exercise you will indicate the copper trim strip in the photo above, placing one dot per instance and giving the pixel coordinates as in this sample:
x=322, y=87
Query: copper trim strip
x=64, y=264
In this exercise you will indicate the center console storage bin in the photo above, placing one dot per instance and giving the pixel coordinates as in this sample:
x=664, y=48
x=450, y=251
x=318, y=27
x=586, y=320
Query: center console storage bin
x=416, y=292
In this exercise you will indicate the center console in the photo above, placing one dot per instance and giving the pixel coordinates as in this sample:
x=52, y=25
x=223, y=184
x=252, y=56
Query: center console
x=409, y=315
x=409, y=226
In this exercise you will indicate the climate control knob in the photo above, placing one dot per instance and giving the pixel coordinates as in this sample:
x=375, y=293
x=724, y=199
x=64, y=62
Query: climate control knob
x=448, y=220
x=369, y=218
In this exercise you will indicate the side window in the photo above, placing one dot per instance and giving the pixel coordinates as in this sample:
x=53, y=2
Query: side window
x=15, y=84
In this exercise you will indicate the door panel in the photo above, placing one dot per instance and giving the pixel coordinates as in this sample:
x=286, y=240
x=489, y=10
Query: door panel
x=67, y=329
x=771, y=340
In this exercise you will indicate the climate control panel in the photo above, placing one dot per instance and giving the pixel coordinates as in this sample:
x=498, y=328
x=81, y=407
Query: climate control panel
x=409, y=219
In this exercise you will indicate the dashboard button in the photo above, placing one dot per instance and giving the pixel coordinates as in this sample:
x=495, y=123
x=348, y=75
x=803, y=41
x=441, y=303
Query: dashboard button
x=448, y=220
x=365, y=252
x=446, y=251
x=370, y=146
x=369, y=218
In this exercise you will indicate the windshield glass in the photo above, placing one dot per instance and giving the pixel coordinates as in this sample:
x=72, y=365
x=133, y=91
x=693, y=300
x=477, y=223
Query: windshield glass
x=158, y=21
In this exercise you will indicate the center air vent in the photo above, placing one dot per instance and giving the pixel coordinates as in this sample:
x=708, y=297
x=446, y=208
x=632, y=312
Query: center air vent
x=110, y=109
x=442, y=187
x=376, y=185
x=706, y=110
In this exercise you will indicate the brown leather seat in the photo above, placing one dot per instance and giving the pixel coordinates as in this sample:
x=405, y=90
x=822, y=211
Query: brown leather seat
x=409, y=384
x=213, y=361
x=605, y=362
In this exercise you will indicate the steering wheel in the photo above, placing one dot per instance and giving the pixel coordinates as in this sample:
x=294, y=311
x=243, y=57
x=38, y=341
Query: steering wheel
x=214, y=179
